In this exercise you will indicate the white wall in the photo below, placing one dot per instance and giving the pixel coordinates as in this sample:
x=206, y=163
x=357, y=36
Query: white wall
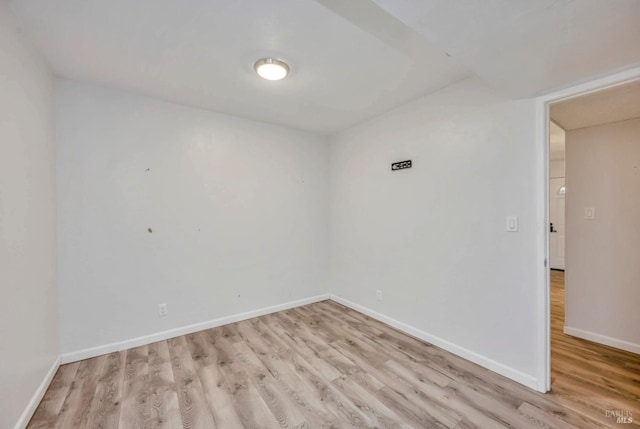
x=602, y=273
x=238, y=210
x=433, y=238
x=556, y=169
x=28, y=307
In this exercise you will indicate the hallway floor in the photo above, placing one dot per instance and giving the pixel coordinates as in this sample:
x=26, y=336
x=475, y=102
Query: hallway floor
x=587, y=377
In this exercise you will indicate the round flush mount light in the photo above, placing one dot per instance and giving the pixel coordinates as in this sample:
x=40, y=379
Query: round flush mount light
x=271, y=69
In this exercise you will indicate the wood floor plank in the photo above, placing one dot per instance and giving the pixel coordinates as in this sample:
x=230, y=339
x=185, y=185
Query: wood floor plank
x=296, y=335
x=162, y=409
x=158, y=353
x=406, y=404
x=200, y=345
x=104, y=412
x=136, y=362
x=282, y=407
x=426, y=412
x=327, y=393
x=153, y=399
x=421, y=368
x=381, y=415
x=206, y=358
x=318, y=414
x=249, y=405
x=75, y=410
x=134, y=411
x=193, y=404
x=301, y=338
x=53, y=399
x=590, y=379
x=539, y=418
x=502, y=412
x=219, y=397
x=230, y=333
x=324, y=365
x=312, y=377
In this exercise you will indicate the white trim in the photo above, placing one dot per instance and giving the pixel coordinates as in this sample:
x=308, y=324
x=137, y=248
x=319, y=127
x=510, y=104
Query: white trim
x=171, y=333
x=603, y=339
x=26, y=415
x=543, y=350
x=484, y=361
x=467, y=354
x=542, y=212
x=592, y=86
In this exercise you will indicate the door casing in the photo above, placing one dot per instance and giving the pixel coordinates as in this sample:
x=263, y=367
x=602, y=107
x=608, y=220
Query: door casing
x=543, y=102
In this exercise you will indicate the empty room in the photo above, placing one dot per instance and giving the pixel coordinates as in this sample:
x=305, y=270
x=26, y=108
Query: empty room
x=319, y=214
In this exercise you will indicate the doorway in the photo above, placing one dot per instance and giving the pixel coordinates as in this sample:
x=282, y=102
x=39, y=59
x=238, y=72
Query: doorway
x=595, y=359
x=557, y=192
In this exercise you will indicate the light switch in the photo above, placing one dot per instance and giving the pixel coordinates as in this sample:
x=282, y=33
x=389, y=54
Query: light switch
x=589, y=213
x=512, y=223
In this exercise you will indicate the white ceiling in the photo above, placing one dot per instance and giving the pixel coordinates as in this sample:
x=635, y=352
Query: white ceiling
x=350, y=60
x=529, y=47
x=201, y=53
x=611, y=105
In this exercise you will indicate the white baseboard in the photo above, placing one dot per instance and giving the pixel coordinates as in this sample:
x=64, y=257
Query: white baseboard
x=484, y=361
x=23, y=421
x=513, y=374
x=603, y=339
x=171, y=333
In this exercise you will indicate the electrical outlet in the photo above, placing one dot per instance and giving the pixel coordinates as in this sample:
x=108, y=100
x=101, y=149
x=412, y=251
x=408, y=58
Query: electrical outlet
x=589, y=213
x=162, y=309
x=379, y=295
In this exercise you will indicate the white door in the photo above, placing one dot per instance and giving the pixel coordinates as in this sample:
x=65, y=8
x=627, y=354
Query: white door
x=556, y=217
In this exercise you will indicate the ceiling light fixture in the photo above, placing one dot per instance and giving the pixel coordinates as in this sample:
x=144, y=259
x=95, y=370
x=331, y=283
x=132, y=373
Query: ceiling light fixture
x=271, y=69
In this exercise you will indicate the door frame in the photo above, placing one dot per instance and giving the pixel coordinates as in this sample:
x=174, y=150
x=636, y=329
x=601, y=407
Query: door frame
x=542, y=212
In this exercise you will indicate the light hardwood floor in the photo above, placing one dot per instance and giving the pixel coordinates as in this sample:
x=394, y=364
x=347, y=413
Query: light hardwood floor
x=587, y=377
x=327, y=366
